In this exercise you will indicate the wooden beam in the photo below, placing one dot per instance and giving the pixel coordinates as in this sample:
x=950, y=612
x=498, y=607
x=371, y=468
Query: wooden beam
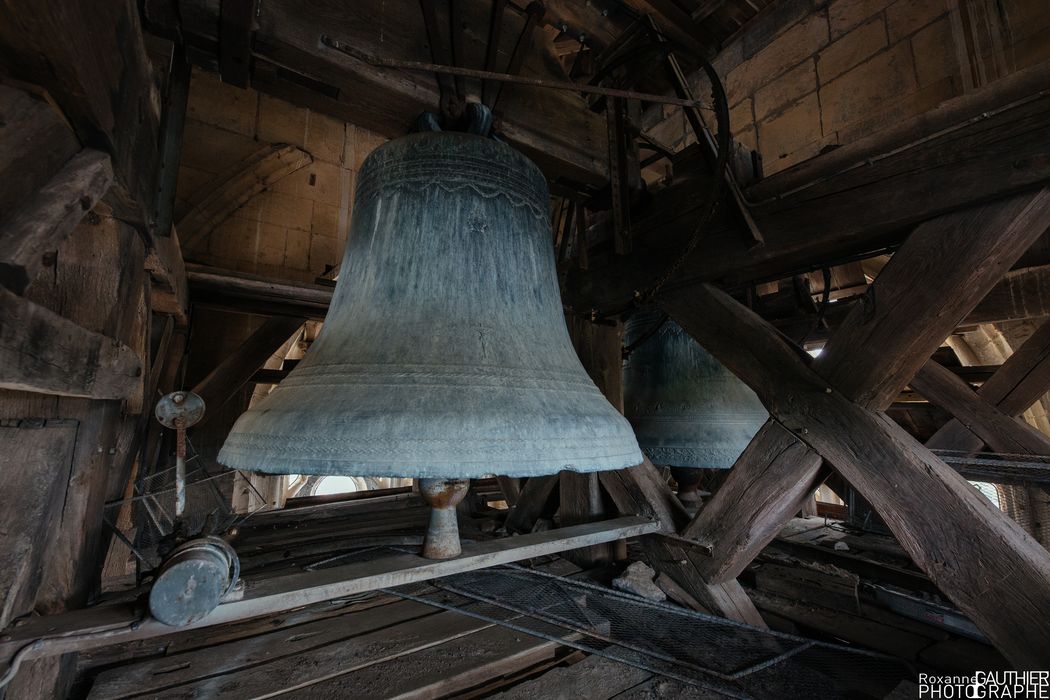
x=30, y=236
x=538, y=497
x=240, y=291
x=236, y=23
x=893, y=335
x=983, y=561
x=230, y=190
x=942, y=271
x=977, y=148
x=267, y=595
x=43, y=352
x=237, y=369
x=768, y=485
x=1021, y=381
x=1000, y=431
x=35, y=142
x=99, y=75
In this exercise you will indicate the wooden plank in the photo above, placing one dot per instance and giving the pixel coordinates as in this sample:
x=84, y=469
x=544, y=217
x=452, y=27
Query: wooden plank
x=237, y=20
x=99, y=75
x=970, y=146
x=292, y=591
x=537, y=499
x=1001, y=432
x=203, y=666
x=235, y=371
x=594, y=677
x=31, y=234
x=35, y=141
x=552, y=127
x=765, y=488
x=958, y=258
x=239, y=291
x=43, y=352
x=28, y=504
x=1021, y=381
x=580, y=501
x=993, y=571
x=445, y=669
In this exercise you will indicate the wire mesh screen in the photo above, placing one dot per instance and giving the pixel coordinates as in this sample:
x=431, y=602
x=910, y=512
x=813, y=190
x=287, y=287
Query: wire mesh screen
x=720, y=655
x=1019, y=484
x=144, y=522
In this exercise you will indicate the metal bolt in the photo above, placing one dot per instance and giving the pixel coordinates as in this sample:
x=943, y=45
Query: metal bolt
x=178, y=397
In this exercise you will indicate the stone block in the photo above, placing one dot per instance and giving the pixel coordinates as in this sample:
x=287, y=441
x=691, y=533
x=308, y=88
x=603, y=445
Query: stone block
x=905, y=17
x=325, y=138
x=868, y=88
x=282, y=122
x=741, y=117
x=213, y=102
x=324, y=250
x=285, y=210
x=851, y=49
x=297, y=250
x=934, y=51
x=844, y=15
x=785, y=90
x=790, y=130
x=325, y=221
x=797, y=43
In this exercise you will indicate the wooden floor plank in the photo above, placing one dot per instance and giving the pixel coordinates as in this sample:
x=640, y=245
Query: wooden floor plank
x=243, y=655
x=594, y=677
x=442, y=670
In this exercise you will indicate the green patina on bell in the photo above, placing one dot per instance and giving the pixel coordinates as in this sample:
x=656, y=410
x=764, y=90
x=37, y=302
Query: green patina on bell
x=444, y=353
x=687, y=410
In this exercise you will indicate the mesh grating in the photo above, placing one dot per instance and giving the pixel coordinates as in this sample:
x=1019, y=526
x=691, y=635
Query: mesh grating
x=726, y=657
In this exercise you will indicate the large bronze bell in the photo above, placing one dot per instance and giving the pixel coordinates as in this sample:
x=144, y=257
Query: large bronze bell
x=688, y=411
x=444, y=353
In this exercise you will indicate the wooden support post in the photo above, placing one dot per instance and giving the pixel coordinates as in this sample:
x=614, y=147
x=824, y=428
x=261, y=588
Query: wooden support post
x=1000, y=431
x=237, y=369
x=537, y=498
x=1021, y=381
x=30, y=236
x=990, y=568
x=43, y=352
x=757, y=500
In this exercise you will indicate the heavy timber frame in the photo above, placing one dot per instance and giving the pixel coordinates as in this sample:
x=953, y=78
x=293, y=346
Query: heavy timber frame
x=831, y=409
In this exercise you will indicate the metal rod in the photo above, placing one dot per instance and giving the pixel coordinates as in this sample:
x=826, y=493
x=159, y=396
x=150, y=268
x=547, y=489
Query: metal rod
x=503, y=77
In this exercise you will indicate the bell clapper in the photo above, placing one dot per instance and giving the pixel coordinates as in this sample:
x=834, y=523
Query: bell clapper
x=442, y=495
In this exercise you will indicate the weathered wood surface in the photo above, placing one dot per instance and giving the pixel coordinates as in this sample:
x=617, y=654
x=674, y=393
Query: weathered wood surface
x=206, y=669
x=35, y=142
x=288, y=592
x=235, y=371
x=31, y=234
x=594, y=677
x=27, y=451
x=230, y=190
x=873, y=355
x=942, y=271
x=43, y=352
x=766, y=488
x=98, y=74
x=975, y=148
x=537, y=498
x=1001, y=432
x=1021, y=381
x=983, y=561
x=239, y=291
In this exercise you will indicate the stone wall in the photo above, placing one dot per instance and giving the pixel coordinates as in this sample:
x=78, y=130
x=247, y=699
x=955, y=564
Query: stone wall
x=809, y=75
x=296, y=229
